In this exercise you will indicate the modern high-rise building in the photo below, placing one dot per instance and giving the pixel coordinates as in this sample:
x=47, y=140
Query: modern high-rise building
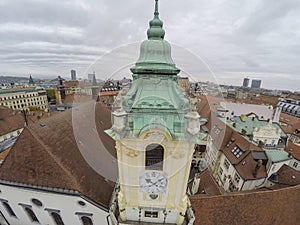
x=91, y=76
x=246, y=82
x=256, y=84
x=73, y=75
x=24, y=99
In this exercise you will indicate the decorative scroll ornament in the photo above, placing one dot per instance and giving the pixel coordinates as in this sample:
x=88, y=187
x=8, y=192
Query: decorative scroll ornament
x=131, y=153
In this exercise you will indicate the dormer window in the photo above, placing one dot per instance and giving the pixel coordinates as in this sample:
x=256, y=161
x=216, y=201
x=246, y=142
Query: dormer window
x=237, y=151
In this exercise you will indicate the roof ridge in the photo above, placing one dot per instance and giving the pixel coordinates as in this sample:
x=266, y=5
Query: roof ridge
x=55, y=158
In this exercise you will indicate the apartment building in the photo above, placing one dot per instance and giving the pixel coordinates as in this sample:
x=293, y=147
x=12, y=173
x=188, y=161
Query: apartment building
x=24, y=99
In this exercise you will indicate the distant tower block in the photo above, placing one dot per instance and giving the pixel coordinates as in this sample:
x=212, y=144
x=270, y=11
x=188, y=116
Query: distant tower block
x=95, y=88
x=91, y=76
x=246, y=82
x=256, y=84
x=73, y=75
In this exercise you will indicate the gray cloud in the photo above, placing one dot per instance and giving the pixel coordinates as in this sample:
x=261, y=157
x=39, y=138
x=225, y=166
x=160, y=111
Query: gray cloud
x=232, y=36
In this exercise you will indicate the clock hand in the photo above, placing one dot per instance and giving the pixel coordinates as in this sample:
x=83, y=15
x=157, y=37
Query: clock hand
x=159, y=180
x=148, y=180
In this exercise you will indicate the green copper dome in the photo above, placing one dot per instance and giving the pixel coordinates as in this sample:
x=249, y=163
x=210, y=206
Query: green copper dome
x=155, y=53
x=156, y=32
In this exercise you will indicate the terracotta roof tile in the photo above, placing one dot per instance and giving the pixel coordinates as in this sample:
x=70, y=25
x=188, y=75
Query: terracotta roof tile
x=247, y=166
x=207, y=105
x=10, y=122
x=296, y=149
x=46, y=154
x=207, y=186
x=288, y=176
x=289, y=119
x=275, y=207
x=4, y=154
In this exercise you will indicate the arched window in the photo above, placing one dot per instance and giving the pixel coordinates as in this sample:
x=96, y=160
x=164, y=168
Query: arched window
x=154, y=157
x=57, y=218
x=9, y=209
x=86, y=220
x=31, y=214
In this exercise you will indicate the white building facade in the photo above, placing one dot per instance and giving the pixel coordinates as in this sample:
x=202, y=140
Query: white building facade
x=24, y=99
x=25, y=205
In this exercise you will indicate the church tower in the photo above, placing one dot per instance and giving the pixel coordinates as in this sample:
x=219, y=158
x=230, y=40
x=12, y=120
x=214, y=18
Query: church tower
x=155, y=128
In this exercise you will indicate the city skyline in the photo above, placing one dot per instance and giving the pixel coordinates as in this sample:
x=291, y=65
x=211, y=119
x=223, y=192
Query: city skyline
x=254, y=38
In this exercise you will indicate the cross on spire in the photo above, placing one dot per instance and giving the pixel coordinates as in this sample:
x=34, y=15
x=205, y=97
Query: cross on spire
x=156, y=13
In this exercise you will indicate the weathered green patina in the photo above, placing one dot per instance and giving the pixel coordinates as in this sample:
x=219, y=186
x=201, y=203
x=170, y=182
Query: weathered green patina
x=154, y=100
x=277, y=155
x=155, y=53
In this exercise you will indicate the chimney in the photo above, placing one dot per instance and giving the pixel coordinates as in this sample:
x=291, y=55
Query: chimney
x=25, y=118
x=258, y=165
x=290, y=155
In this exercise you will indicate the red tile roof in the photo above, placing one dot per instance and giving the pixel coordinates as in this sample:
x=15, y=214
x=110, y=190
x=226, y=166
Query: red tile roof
x=288, y=176
x=207, y=186
x=289, y=119
x=245, y=164
x=296, y=149
x=4, y=154
x=273, y=207
x=108, y=93
x=46, y=154
x=10, y=122
x=207, y=105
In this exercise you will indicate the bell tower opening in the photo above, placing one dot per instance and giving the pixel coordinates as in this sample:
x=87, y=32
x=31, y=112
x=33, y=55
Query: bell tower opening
x=154, y=157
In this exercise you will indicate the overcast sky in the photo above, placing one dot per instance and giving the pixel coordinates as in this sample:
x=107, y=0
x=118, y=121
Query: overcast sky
x=232, y=38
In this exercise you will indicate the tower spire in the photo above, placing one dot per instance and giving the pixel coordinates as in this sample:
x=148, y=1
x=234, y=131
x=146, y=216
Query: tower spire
x=156, y=13
x=156, y=32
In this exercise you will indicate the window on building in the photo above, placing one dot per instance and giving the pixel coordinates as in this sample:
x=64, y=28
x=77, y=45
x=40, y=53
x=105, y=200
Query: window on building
x=232, y=187
x=154, y=157
x=295, y=164
x=86, y=220
x=226, y=164
x=31, y=214
x=217, y=130
x=237, y=178
x=57, y=218
x=37, y=202
x=237, y=151
x=224, y=178
x=221, y=171
x=8, y=209
x=151, y=214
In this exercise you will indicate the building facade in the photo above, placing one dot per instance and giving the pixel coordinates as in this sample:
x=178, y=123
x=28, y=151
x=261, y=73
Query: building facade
x=256, y=84
x=246, y=82
x=73, y=75
x=24, y=204
x=290, y=106
x=245, y=153
x=24, y=99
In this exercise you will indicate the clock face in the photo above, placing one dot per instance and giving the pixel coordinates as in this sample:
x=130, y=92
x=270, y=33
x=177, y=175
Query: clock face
x=153, y=182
